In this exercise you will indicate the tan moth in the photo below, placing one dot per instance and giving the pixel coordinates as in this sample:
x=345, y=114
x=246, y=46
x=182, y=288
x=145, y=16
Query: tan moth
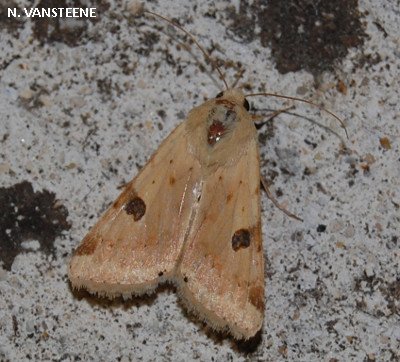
x=192, y=217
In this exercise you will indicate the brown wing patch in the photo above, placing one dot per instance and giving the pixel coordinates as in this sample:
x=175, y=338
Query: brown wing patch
x=256, y=298
x=136, y=207
x=87, y=247
x=241, y=239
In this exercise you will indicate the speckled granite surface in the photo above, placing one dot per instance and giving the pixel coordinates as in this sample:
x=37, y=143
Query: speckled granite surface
x=83, y=104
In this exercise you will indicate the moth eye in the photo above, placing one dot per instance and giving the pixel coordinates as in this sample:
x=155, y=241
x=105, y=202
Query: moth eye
x=219, y=95
x=246, y=104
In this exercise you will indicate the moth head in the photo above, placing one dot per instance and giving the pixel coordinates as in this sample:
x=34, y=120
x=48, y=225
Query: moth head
x=237, y=96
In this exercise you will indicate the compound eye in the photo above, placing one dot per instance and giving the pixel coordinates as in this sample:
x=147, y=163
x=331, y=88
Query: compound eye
x=246, y=105
x=219, y=95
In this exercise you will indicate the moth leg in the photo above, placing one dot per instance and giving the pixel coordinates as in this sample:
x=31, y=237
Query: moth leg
x=275, y=201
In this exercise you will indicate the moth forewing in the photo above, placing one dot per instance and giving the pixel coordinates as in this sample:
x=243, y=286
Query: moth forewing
x=221, y=274
x=137, y=242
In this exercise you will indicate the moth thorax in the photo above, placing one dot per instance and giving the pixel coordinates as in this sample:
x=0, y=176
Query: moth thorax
x=219, y=121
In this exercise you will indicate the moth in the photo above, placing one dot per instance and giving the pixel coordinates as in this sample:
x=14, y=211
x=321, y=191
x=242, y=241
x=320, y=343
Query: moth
x=191, y=217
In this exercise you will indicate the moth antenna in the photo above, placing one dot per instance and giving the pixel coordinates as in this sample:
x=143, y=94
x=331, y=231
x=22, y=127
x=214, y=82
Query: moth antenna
x=211, y=60
x=304, y=101
x=239, y=76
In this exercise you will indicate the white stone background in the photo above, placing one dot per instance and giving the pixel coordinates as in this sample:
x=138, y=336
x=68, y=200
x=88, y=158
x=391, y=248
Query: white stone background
x=326, y=293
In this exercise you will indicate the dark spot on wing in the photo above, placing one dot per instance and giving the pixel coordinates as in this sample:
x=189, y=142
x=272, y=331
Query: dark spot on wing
x=136, y=207
x=87, y=247
x=256, y=297
x=241, y=239
x=257, y=190
x=171, y=180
